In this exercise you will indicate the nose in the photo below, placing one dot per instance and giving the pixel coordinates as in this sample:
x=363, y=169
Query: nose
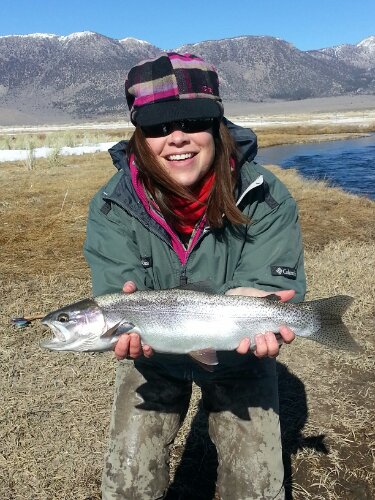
x=178, y=137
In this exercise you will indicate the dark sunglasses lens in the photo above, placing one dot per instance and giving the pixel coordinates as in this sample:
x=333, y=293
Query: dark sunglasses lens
x=160, y=130
x=191, y=126
x=188, y=126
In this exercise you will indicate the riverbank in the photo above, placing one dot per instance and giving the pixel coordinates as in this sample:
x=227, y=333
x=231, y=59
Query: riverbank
x=56, y=406
x=30, y=143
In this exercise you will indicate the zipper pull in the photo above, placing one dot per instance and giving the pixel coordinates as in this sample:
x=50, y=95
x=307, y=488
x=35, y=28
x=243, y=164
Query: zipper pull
x=183, y=278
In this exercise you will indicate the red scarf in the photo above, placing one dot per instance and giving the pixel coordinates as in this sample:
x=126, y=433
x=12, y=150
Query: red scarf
x=190, y=212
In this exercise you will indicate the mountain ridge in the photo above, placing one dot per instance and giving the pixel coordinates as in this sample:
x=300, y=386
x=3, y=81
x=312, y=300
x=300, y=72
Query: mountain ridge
x=81, y=75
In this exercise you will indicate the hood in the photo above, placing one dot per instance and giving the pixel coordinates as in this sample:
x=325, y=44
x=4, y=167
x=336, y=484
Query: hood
x=245, y=139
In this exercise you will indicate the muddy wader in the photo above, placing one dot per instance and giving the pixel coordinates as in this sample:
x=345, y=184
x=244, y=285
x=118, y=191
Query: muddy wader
x=151, y=395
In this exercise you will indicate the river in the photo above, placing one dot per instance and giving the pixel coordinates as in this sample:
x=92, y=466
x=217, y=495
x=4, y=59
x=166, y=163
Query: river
x=349, y=164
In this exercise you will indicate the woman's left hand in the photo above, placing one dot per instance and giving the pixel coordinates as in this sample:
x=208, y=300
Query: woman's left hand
x=267, y=343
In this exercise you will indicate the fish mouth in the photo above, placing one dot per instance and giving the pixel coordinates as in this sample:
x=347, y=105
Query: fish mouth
x=57, y=335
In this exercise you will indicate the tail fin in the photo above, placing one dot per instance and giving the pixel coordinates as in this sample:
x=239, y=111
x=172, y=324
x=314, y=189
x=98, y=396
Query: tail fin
x=333, y=332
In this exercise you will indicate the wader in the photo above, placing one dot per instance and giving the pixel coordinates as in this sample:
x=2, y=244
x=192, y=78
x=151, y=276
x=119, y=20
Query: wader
x=152, y=396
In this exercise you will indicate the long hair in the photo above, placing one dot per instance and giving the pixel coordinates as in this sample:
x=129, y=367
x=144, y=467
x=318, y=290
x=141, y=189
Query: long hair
x=221, y=200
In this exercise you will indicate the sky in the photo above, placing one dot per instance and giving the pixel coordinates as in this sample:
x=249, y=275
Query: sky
x=307, y=24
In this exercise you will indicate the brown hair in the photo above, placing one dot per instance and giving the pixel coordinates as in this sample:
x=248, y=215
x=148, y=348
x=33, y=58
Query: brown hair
x=160, y=185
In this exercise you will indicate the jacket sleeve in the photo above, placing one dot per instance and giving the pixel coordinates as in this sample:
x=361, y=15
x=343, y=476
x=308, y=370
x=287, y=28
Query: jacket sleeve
x=110, y=251
x=272, y=256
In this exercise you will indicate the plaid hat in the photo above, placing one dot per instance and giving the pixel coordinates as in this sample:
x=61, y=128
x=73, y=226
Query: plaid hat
x=172, y=87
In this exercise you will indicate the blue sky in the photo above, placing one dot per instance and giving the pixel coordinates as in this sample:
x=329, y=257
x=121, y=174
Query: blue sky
x=307, y=24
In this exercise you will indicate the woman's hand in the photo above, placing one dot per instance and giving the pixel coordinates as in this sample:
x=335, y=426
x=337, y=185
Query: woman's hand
x=129, y=344
x=266, y=344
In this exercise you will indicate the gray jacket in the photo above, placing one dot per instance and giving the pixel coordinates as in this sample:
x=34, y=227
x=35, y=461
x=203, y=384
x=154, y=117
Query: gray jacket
x=124, y=243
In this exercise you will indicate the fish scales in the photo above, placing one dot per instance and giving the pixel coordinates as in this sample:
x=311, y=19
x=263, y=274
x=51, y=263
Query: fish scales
x=185, y=321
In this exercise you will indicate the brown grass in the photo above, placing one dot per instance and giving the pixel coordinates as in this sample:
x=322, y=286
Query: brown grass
x=277, y=135
x=56, y=407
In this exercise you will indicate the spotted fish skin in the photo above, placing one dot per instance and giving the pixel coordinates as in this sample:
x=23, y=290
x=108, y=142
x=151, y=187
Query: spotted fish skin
x=185, y=321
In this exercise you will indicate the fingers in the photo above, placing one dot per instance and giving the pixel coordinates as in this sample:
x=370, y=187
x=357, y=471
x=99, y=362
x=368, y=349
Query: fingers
x=266, y=345
x=285, y=295
x=287, y=334
x=129, y=287
x=246, y=290
x=130, y=346
x=244, y=346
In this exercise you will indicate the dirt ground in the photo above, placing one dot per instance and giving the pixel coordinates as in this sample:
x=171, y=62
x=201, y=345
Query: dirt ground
x=56, y=406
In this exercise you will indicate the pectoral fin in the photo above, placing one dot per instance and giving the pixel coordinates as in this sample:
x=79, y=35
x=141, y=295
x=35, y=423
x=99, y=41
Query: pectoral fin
x=119, y=328
x=206, y=358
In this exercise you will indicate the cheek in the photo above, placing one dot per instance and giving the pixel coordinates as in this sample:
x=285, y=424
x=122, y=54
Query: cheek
x=156, y=144
x=210, y=153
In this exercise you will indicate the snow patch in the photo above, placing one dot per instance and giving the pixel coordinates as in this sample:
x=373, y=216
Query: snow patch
x=367, y=43
x=32, y=35
x=131, y=39
x=44, y=152
x=79, y=34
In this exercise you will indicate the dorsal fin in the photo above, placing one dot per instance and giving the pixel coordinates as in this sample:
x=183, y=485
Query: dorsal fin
x=199, y=286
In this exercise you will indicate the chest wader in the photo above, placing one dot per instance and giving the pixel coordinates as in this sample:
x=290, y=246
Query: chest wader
x=151, y=398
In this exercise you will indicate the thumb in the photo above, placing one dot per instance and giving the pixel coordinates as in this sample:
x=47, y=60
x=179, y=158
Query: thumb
x=285, y=295
x=129, y=287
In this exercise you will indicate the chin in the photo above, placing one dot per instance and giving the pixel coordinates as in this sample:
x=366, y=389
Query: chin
x=186, y=181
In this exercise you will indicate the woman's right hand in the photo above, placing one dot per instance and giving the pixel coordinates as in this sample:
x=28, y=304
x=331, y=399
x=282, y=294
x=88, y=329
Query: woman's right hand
x=129, y=344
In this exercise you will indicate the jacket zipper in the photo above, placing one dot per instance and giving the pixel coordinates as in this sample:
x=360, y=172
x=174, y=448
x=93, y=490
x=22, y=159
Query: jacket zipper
x=183, y=277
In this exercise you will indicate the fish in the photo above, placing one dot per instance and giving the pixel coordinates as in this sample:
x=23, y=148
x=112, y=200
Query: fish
x=194, y=322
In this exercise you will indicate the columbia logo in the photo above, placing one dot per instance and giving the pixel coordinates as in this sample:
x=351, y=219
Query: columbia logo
x=146, y=262
x=287, y=272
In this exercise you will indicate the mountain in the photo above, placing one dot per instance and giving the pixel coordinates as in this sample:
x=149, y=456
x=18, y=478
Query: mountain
x=261, y=68
x=78, y=76
x=48, y=78
x=360, y=56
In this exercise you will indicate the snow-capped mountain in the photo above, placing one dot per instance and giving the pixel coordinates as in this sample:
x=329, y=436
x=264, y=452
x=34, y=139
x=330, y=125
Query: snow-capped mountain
x=361, y=55
x=80, y=76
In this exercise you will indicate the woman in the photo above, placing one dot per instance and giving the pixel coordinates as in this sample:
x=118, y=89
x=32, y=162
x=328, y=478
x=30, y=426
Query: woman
x=187, y=205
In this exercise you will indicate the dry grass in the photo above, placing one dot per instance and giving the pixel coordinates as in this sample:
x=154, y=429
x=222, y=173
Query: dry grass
x=299, y=134
x=58, y=139
x=56, y=407
x=270, y=134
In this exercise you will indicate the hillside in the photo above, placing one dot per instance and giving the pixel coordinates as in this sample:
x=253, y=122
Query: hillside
x=48, y=78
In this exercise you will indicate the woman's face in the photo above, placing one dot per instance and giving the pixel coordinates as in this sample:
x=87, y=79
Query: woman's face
x=186, y=157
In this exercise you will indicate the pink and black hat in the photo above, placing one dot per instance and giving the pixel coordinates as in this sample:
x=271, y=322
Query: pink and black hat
x=172, y=87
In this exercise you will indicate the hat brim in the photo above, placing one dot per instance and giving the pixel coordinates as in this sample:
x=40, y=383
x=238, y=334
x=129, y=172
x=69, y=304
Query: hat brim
x=170, y=111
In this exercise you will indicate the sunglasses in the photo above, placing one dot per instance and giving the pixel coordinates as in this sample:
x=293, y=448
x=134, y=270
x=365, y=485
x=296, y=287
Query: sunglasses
x=187, y=126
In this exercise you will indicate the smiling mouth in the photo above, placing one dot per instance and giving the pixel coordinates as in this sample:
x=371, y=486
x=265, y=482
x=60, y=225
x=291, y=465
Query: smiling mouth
x=179, y=157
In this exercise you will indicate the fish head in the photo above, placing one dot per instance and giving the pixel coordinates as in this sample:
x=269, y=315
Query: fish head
x=74, y=326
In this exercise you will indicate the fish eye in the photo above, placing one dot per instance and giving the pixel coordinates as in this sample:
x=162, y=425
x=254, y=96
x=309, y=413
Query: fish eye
x=63, y=318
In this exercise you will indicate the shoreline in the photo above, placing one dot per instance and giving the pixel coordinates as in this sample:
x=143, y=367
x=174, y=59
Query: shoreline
x=346, y=118
x=17, y=117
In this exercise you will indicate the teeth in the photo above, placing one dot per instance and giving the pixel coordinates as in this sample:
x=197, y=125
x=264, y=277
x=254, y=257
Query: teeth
x=180, y=157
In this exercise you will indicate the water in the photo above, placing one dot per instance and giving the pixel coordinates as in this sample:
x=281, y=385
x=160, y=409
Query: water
x=349, y=164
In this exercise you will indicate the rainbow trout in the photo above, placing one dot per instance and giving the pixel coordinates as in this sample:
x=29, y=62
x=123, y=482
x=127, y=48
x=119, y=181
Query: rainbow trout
x=192, y=322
